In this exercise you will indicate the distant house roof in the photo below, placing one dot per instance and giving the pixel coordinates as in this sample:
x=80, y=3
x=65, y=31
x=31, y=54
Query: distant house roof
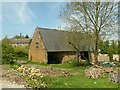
x=20, y=41
x=55, y=40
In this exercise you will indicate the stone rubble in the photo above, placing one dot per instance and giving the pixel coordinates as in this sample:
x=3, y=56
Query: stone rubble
x=95, y=72
x=44, y=71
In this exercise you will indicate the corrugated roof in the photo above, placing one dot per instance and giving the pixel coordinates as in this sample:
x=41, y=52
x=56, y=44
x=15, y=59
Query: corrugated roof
x=55, y=40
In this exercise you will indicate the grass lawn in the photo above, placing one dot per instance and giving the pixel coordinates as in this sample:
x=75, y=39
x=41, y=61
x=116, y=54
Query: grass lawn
x=79, y=80
x=22, y=58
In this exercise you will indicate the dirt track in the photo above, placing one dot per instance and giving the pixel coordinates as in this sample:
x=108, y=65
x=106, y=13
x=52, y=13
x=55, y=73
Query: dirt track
x=7, y=84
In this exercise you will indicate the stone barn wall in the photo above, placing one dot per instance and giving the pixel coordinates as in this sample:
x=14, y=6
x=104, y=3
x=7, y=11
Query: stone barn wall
x=37, y=51
x=67, y=56
x=116, y=57
x=103, y=57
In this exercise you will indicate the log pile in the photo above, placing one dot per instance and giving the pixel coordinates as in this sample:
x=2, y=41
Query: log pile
x=113, y=76
x=95, y=72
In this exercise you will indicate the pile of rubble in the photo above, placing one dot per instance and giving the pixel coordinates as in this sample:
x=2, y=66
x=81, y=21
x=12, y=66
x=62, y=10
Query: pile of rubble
x=53, y=72
x=12, y=76
x=95, y=72
x=44, y=71
x=113, y=76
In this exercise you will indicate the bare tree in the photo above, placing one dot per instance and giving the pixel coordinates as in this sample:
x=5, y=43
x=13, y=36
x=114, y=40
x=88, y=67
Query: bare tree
x=96, y=18
x=80, y=41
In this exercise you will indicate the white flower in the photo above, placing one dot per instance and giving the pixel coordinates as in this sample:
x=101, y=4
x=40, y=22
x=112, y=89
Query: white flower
x=42, y=84
x=66, y=84
x=41, y=76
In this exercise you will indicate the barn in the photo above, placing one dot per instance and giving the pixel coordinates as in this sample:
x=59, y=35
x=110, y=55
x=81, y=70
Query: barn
x=51, y=46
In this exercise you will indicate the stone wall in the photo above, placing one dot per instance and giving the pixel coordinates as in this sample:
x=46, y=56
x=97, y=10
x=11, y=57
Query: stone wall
x=37, y=51
x=103, y=57
x=68, y=56
x=116, y=57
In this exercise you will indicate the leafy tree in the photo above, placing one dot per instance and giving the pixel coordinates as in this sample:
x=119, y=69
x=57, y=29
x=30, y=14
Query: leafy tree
x=98, y=18
x=21, y=51
x=19, y=36
x=114, y=46
x=7, y=52
x=101, y=46
x=26, y=36
x=107, y=48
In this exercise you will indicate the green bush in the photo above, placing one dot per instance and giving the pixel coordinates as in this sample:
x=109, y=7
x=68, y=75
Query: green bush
x=8, y=54
x=74, y=63
x=16, y=66
x=21, y=52
x=83, y=63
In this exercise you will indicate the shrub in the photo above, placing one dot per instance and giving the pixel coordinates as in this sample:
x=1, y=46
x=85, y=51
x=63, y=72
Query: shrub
x=35, y=82
x=8, y=55
x=83, y=63
x=74, y=63
x=21, y=51
x=16, y=65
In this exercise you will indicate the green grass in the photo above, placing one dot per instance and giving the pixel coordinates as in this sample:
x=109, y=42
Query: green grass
x=65, y=65
x=78, y=80
x=22, y=58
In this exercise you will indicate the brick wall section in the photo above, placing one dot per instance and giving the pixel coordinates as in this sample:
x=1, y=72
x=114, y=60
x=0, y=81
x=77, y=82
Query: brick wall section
x=103, y=57
x=68, y=56
x=37, y=54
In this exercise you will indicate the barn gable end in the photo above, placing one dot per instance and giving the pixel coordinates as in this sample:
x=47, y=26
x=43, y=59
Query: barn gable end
x=37, y=50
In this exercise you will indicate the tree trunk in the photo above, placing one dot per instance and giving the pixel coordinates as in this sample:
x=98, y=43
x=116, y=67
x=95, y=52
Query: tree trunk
x=96, y=51
x=78, y=56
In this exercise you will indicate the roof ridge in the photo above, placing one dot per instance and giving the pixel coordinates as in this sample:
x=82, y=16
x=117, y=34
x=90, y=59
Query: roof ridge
x=48, y=29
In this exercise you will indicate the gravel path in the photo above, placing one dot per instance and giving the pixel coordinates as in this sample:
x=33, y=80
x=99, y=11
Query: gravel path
x=7, y=84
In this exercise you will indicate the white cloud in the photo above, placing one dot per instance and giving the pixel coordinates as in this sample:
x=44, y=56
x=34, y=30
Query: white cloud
x=17, y=13
x=24, y=13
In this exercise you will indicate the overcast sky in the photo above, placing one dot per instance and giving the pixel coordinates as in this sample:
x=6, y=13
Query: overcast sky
x=24, y=17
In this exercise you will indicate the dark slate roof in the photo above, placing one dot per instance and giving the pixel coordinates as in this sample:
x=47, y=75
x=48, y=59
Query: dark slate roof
x=55, y=40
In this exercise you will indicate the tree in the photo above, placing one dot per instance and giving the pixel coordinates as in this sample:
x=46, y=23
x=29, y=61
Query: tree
x=7, y=52
x=114, y=46
x=26, y=36
x=99, y=18
x=101, y=46
x=21, y=51
x=19, y=36
x=80, y=42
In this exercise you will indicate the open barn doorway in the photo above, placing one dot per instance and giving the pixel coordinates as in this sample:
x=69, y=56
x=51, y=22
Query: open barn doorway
x=84, y=55
x=54, y=57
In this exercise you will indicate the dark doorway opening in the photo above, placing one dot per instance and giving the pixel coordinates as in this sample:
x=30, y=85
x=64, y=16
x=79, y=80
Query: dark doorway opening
x=84, y=55
x=54, y=57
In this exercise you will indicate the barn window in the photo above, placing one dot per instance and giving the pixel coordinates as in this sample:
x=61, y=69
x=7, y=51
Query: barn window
x=37, y=44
